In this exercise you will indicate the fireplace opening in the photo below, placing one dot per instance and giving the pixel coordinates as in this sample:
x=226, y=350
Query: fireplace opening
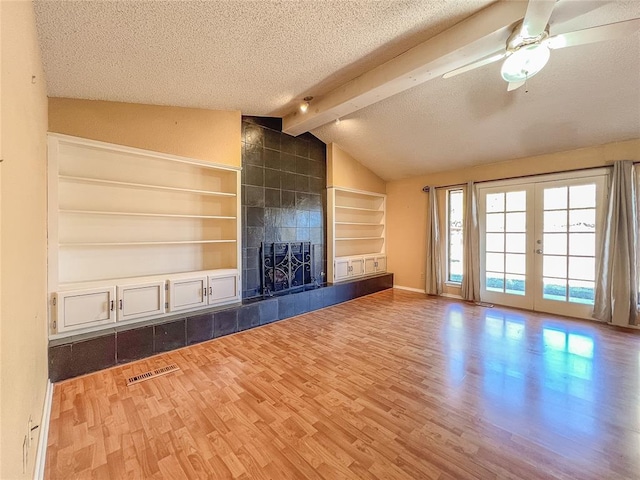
x=287, y=267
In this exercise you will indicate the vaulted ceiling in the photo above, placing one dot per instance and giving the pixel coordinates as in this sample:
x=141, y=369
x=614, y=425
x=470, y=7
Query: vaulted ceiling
x=263, y=57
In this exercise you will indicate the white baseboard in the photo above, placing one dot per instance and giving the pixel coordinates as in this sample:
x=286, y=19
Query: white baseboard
x=41, y=453
x=409, y=289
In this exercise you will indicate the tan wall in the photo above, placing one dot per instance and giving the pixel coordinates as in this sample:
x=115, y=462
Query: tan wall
x=23, y=261
x=407, y=204
x=345, y=171
x=209, y=135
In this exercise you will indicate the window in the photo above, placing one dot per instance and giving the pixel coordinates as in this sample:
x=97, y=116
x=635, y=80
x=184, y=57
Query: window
x=455, y=206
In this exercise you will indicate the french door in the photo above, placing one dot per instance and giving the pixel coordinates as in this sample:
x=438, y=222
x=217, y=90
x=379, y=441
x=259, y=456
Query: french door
x=539, y=242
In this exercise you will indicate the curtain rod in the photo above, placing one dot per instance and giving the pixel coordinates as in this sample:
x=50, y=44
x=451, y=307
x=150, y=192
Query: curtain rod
x=426, y=188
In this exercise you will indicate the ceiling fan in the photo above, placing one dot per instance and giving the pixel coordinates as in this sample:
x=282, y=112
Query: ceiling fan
x=528, y=47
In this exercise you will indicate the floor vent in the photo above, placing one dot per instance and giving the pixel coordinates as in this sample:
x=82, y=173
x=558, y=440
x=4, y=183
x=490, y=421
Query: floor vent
x=152, y=374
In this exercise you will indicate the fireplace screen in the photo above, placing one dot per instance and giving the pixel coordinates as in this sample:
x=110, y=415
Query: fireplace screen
x=285, y=265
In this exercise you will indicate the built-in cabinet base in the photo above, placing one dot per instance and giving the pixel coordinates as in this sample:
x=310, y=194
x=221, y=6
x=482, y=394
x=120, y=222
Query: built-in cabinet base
x=81, y=354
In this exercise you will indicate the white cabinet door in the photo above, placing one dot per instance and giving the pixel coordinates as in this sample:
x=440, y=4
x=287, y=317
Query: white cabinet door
x=357, y=267
x=369, y=265
x=140, y=300
x=381, y=264
x=187, y=293
x=84, y=308
x=341, y=269
x=223, y=289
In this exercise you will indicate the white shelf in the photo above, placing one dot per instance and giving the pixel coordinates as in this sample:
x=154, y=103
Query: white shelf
x=358, y=238
x=121, y=244
x=339, y=207
x=361, y=223
x=143, y=185
x=145, y=214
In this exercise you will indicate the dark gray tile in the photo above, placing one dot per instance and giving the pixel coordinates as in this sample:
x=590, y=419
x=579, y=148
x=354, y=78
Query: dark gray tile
x=316, y=169
x=272, y=159
x=288, y=162
x=303, y=201
x=286, y=306
x=252, y=279
x=93, y=355
x=316, y=236
x=253, y=134
x=302, y=234
x=169, y=336
x=315, y=219
x=249, y=316
x=317, y=151
x=302, y=183
x=254, y=196
x=316, y=185
x=302, y=147
x=272, y=234
x=315, y=202
x=288, y=199
x=287, y=217
x=252, y=256
x=60, y=363
x=225, y=322
x=134, y=344
x=287, y=181
x=272, y=178
x=302, y=165
x=302, y=218
x=253, y=155
x=255, y=217
x=271, y=197
x=329, y=295
x=268, y=311
x=254, y=175
x=199, y=328
x=288, y=144
x=315, y=299
x=271, y=139
x=288, y=234
x=254, y=237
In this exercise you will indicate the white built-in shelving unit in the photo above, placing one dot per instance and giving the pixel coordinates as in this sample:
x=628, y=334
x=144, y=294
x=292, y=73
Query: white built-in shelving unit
x=128, y=228
x=356, y=239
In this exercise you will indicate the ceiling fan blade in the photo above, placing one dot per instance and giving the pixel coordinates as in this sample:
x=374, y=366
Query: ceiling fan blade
x=480, y=63
x=594, y=34
x=514, y=86
x=537, y=17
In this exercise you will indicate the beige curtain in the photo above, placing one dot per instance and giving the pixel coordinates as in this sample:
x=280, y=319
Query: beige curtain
x=471, y=247
x=616, y=297
x=433, y=275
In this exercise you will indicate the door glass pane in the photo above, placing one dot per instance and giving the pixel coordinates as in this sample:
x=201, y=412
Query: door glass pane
x=581, y=292
x=582, y=268
x=494, y=281
x=583, y=244
x=555, y=221
x=516, y=201
x=516, y=263
x=582, y=196
x=495, y=242
x=495, y=202
x=516, y=242
x=582, y=220
x=495, y=262
x=515, y=284
x=495, y=222
x=516, y=222
x=555, y=198
x=554, y=289
x=554, y=266
x=555, y=243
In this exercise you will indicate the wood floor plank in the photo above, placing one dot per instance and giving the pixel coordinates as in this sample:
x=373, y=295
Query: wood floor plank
x=395, y=385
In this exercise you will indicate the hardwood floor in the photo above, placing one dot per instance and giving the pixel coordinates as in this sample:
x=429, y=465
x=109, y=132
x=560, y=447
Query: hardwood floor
x=395, y=385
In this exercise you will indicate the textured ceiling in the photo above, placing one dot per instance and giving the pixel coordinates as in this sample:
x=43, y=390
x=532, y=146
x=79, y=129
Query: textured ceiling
x=261, y=57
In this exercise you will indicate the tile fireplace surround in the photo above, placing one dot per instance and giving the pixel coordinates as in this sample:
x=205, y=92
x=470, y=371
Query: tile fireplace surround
x=82, y=354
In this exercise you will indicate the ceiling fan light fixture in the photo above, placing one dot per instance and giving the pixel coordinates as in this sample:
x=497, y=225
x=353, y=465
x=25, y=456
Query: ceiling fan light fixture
x=525, y=62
